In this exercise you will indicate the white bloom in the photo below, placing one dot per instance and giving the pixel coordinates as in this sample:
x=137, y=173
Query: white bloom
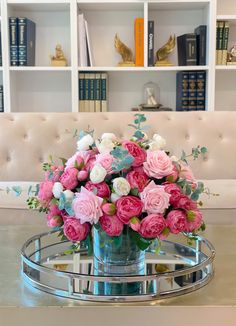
x=84, y=143
x=121, y=186
x=153, y=146
x=105, y=146
x=114, y=197
x=97, y=174
x=161, y=142
x=109, y=135
x=174, y=158
x=57, y=189
x=69, y=195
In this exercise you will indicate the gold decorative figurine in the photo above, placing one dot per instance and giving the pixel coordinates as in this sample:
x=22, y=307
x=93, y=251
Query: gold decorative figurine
x=231, y=56
x=164, y=51
x=59, y=59
x=125, y=52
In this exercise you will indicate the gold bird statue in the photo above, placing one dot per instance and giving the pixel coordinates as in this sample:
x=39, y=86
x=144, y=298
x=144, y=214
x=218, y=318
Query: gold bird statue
x=125, y=52
x=164, y=51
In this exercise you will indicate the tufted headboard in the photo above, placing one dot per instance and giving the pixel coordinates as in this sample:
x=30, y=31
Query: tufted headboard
x=27, y=139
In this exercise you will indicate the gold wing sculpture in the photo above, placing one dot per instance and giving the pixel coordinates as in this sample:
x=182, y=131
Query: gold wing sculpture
x=164, y=51
x=124, y=51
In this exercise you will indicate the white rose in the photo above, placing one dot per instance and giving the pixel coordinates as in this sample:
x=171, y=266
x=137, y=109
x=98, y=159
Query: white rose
x=69, y=195
x=153, y=146
x=114, y=197
x=174, y=158
x=105, y=146
x=109, y=135
x=121, y=186
x=84, y=143
x=97, y=174
x=57, y=189
x=161, y=142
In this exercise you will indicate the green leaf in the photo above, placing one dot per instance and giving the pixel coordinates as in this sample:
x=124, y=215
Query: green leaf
x=134, y=192
x=138, y=134
x=17, y=190
x=203, y=150
x=62, y=201
x=63, y=160
x=195, y=195
x=142, y=243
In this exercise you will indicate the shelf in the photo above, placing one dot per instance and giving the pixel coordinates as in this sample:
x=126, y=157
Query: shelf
x=40, y=68
x=110, y=6
x=225, y=67
x=230, y=18
x=136, y=69
x=178, y=5
x=41, y=5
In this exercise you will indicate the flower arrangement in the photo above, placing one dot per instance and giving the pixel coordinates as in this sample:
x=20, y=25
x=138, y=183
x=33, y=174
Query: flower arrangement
x=111, y=184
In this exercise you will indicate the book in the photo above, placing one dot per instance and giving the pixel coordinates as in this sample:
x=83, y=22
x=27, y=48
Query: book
x=139, y=41
x=225, y=43
x=81, y=92
x=104, y=92
x=91, y=92
x=187, y=49
x=82, y=42
x=13, y=39
x=219, y=41
x=88, y=45
x=0, y=48
x=192, y=92
x=97, y=93
x=182, y=90
x=26, y=42
x=150, y=43
x=201, y=35
x=1, y=99
x=201, y=90
x=86, y=92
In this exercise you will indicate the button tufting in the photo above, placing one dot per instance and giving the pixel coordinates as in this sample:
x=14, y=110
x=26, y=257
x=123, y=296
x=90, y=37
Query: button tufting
x=41, y=160
x=169, y=118
x=25, y=136
x=187, y=137
x=8, y=159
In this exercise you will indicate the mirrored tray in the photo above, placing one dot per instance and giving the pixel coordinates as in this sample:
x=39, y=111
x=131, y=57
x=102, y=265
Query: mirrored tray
x=177, y=269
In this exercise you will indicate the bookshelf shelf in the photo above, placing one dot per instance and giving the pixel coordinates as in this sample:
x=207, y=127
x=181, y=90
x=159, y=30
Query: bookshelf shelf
x=34, y=68
x=138, y=69
x=226, y=68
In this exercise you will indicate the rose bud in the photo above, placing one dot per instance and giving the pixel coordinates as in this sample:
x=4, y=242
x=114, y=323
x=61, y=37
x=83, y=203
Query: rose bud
x=109, y=208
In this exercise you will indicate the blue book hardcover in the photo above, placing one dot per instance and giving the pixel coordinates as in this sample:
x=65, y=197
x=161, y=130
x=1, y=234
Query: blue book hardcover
x=182, y=90
x=13, y=41
x=201, y=90
x=26, y=38
x=192, y=93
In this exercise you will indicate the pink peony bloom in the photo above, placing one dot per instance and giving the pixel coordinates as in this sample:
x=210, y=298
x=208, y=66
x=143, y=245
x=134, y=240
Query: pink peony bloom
x=158, y=164
x=128, y=207
x=154, y=198
x=134, y=223
x=55, y=174
x=54, y=221
x=137, y=179
x=109, y=208
x=54, y=210
x=152, y=226
x=136, y=151
x=101, y=189
x=105, y=160
x=194, y=220
x=87, y=206
x=173, y=176
x=81, y=160
x=45, y=190
x=74, y=230
x=176, y=221
x=69, y=178
x=186, y=173
x=184, y=202
x=111, y=225
x=174, y=191
x=82, y=175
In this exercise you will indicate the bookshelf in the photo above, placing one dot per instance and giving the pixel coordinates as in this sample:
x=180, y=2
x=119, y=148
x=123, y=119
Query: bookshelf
x=43, y=88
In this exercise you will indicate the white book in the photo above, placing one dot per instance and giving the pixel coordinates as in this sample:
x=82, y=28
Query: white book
x=90, y=53
x=83, y=57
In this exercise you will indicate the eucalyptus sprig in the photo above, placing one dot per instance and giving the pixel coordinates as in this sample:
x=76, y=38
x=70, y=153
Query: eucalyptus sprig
x=196, y=152
x=137, y=125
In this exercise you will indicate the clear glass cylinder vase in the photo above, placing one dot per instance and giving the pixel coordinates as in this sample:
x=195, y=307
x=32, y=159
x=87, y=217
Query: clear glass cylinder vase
x=117, y=256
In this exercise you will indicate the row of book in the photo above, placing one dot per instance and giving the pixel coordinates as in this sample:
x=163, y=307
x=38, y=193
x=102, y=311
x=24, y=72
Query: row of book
x=22, y=34
x=93, y=92
x=222, y=39
x=190, y=90
x=1, y=99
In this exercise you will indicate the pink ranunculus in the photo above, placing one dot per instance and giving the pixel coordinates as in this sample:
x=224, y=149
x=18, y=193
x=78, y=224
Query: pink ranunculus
x=82, y=175
x=87, y=206
x=109, y=208
x=45, y=190
x=176, y=221
x=136, y=151
x=154, y=198
x=69, y=178
x=158, y=164
x=173, y=176
x=54, y=221
x=186, y=173
x=184, y=202
x=194, y=220
x=128, y=207
x=105, y=160
x=174, y=191
x=111, y=225
x=152, y=226
x=74, y=230
x=137, y=179
x=101, y=189
x=55, y=174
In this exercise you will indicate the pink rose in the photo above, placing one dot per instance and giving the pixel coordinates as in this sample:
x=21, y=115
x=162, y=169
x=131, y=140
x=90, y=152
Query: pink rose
x=111, y=225
x=174, y=191
x=176, y=221
x=69, y=178
x=186, y=173
x=137, y=179
x=158, y=164
x=154, y=198
x=79, y=159
x=109, y=208
x=173, y=176
x=87, y=206
x=101, y=189
x=194, y=220
x=136, y=151
x=55, y=174
x=152, y=226
x=128, y=207
x=184, y=202
x=74, y=230
x=45, y=190
x=105, y=160
x=54, y=221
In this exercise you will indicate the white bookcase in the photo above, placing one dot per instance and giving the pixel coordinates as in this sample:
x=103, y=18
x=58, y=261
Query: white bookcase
x=44, y=88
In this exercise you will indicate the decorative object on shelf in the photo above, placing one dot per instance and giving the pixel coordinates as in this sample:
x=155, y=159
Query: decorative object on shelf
x=127, y=191
x=231, y=60
x=125, y=52
x=151, y=96
x=59, y=58
x=164, y=51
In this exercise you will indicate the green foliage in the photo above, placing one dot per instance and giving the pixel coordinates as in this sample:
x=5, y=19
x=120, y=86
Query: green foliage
x=63, y=160
x=123, y=159
x=138, y=120
x=33, y=203
x=142, y=243
x=196, y=152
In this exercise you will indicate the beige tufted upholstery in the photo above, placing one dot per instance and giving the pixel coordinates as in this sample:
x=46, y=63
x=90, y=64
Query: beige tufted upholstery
x=27, y=140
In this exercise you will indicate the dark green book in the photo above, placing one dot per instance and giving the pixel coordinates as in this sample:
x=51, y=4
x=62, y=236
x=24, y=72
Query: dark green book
x=201, y=90
x=192, y=94
x=182, y=90
x=13, y=39
x=26, y=39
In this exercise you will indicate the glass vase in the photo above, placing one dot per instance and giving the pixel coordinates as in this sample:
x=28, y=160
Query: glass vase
x=117, y=256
